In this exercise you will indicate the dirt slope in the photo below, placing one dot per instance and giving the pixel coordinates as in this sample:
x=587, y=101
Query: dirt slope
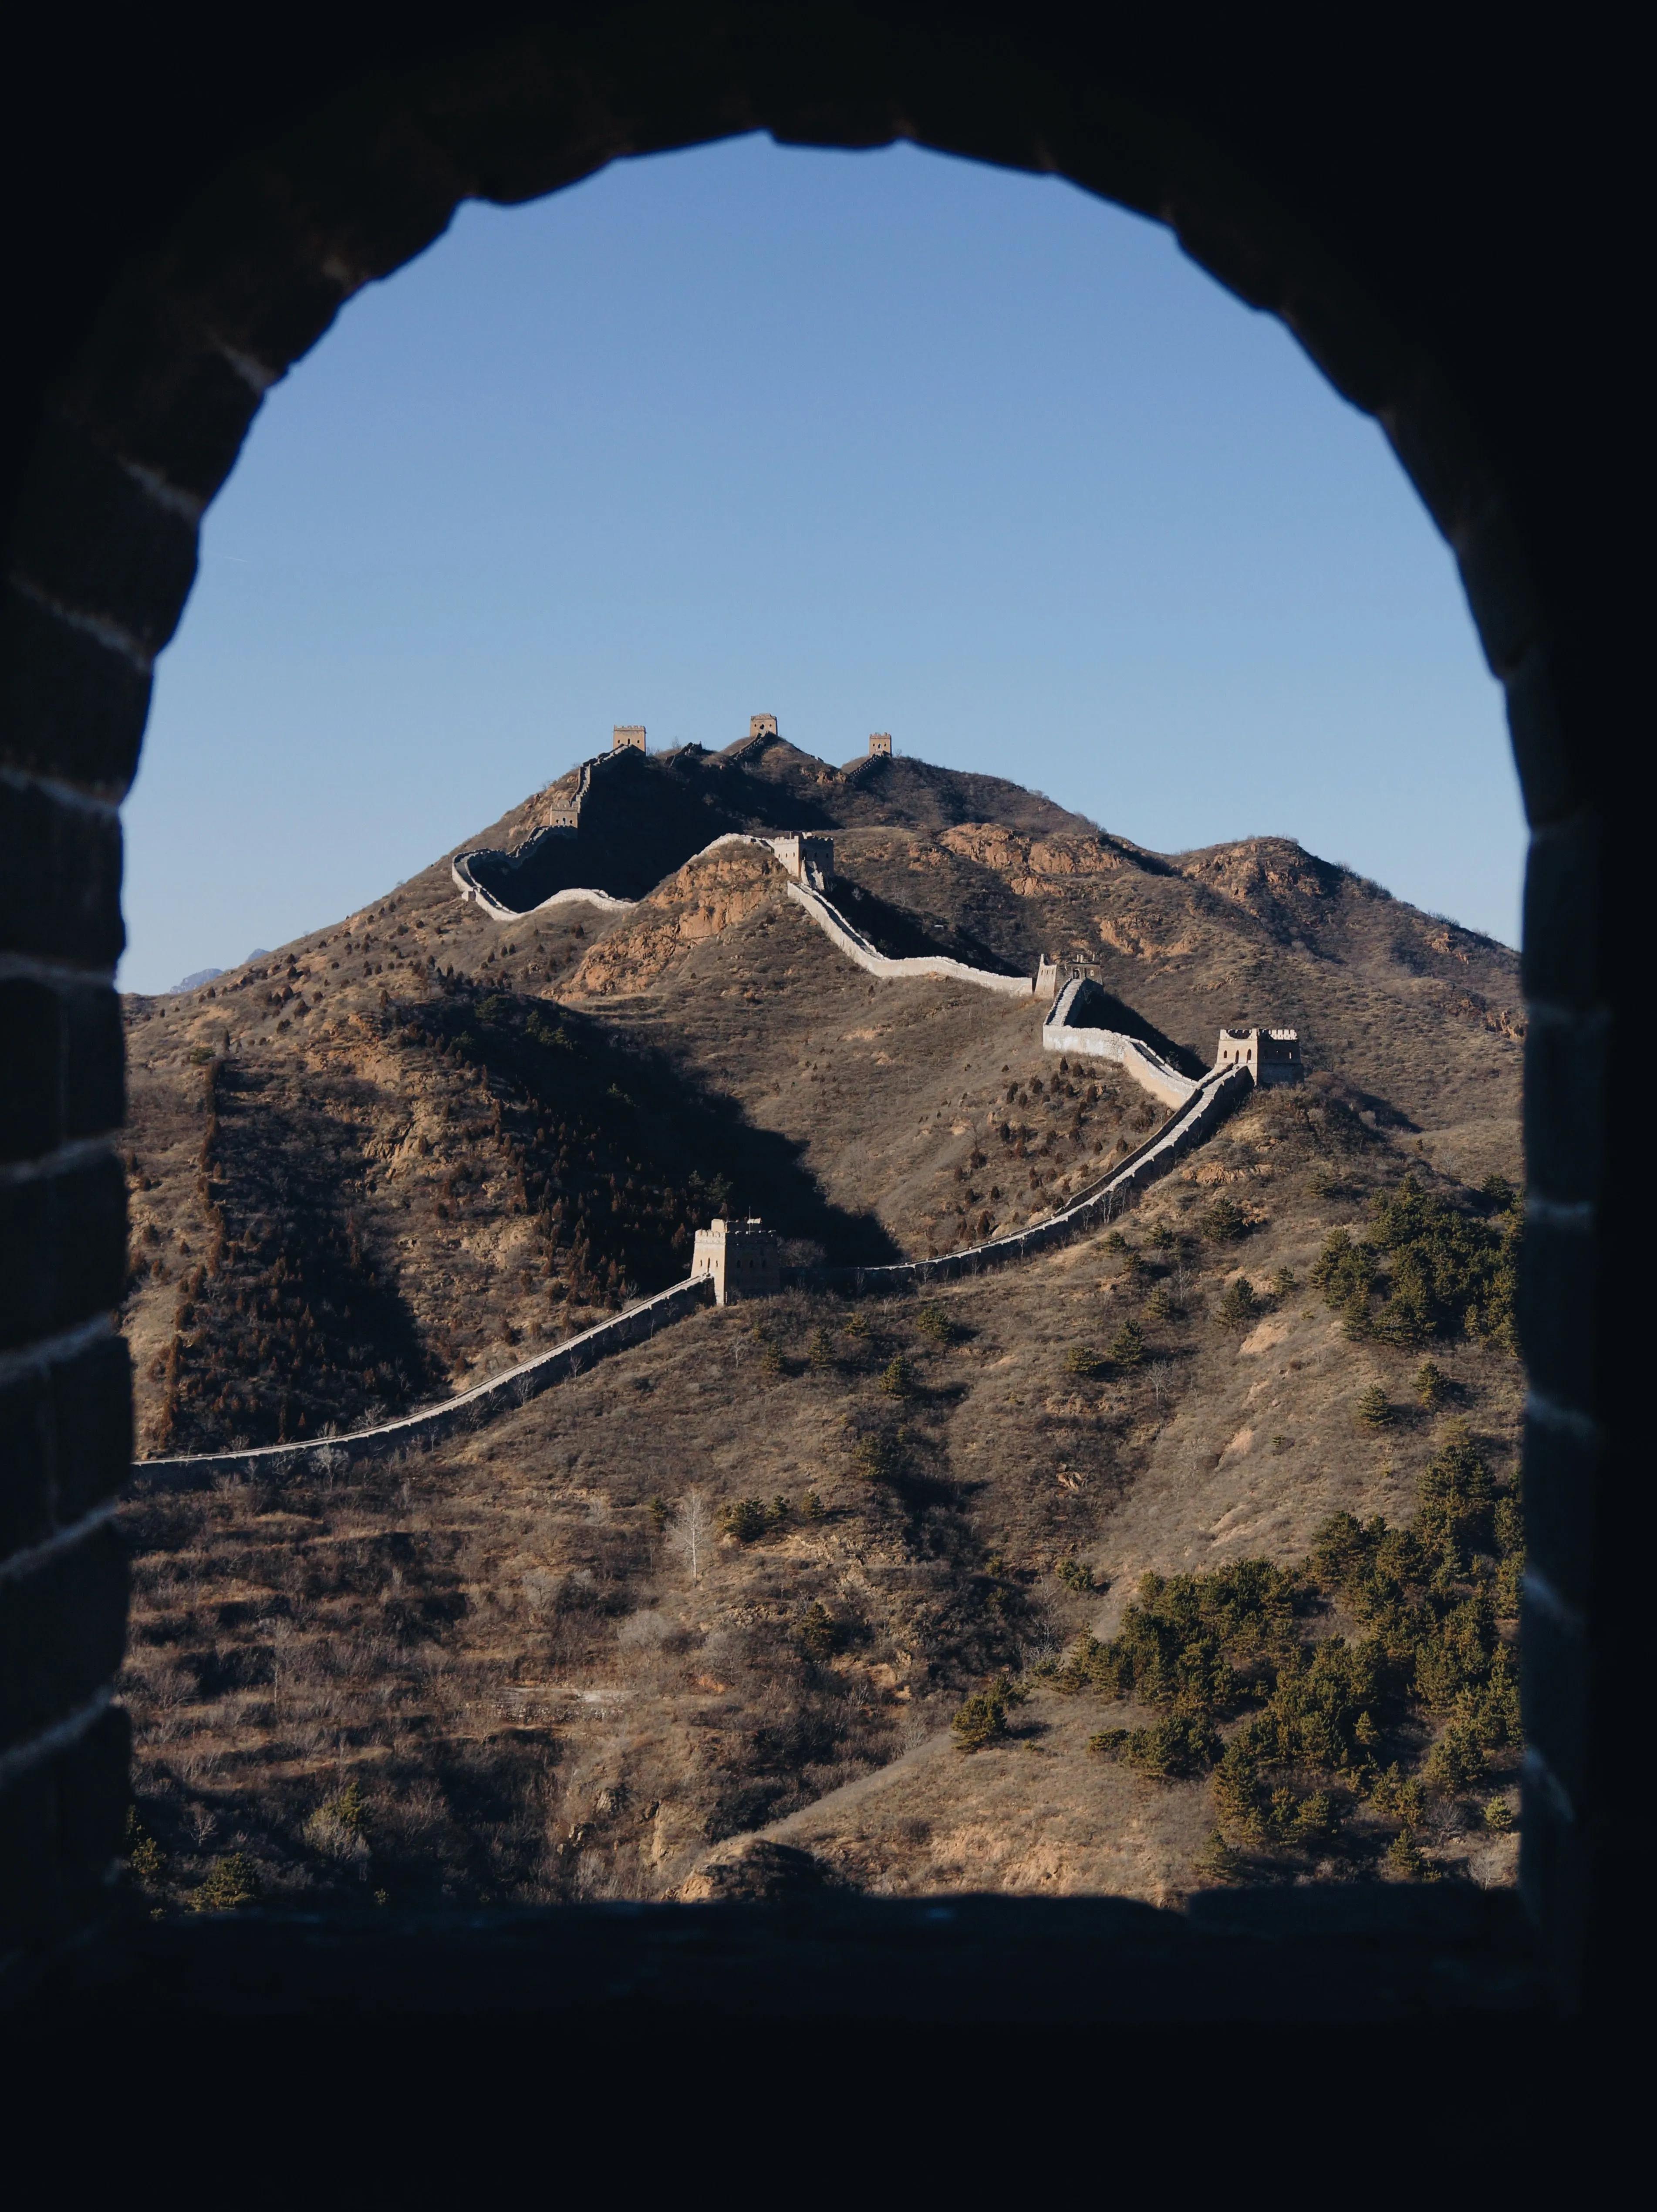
x=505, y=1647
x=390, y=1158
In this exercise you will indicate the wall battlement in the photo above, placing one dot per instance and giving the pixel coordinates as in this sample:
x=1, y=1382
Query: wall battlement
x=809, y=858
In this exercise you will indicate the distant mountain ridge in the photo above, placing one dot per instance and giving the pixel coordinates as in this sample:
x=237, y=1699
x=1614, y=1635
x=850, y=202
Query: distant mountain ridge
x=643, y=815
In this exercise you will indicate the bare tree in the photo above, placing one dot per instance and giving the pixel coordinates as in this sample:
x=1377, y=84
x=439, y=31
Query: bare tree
x=693, y=1531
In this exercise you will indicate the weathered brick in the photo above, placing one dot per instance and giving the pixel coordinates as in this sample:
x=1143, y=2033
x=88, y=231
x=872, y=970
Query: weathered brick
x=1563, y=961
x=1554, y=1876
x=1500, y=588
x=1564, y=1469
x=90, y=536
x=157, y=386
x=63, y=1628
x=1566, y=1075
x=1555, y=1693
x=1559, y=1308
x=71, y=707
x=65, y=1441
x=32, y=1098
x=67, y=1062
x=95, y=1061
x=60, y=879
x=27, y=1452
x=65, y=1235
x=92, y=1405
x=61, y=1826
x=1549, y=775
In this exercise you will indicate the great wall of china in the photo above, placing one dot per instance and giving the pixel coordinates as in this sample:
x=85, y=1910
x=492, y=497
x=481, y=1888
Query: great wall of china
x=741, y=1259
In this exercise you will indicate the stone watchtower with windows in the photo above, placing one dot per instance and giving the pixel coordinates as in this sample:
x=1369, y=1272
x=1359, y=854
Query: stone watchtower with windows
x=743, y=1259
x=809, y=858
x=629, y=737
x=880, y=745
x=761, y=725
x=1271, y=1056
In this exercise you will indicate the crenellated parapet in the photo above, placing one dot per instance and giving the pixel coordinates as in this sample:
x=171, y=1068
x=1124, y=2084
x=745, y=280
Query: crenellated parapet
x=1270, y=1057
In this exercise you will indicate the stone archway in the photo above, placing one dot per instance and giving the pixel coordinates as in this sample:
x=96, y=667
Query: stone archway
x=134, y=429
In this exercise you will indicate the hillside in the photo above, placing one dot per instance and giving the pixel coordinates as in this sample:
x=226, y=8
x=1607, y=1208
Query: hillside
x=382, y=1163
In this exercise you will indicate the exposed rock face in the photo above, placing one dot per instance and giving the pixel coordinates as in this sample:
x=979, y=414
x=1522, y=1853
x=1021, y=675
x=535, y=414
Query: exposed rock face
x=703, y=899
x=1028, y=863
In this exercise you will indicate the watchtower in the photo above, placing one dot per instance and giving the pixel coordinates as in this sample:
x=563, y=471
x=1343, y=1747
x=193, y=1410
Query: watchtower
x=743, y=1258
x=629, y=737
x=880, y=745
x=1271, y=1056
x=761, y=725
x=808, y=858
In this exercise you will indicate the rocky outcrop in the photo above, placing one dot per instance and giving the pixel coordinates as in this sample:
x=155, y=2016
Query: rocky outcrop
x=720, y=888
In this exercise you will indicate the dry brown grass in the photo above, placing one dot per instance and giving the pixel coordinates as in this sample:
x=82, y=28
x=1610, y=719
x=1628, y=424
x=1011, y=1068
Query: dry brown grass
x=496, y=1643
x=506, y=1651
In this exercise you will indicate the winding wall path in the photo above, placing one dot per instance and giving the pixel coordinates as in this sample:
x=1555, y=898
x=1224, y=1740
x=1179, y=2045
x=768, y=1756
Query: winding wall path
x=470, y=1409
x=1211, y=1101
x=1197, y=1106
x=1148, y=1068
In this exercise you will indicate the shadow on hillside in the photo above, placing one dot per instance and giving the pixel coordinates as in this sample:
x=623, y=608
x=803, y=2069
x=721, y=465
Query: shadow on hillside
x=745, y=1168
x=650, y=1116
x=291, y=1323
x=901, y=935
x=1096, y=1008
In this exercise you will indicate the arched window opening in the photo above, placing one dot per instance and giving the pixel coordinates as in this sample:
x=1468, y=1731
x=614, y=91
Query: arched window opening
x=141, y=434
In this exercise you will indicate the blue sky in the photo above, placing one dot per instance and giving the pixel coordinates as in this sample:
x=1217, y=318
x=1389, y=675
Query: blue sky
x=871, y=441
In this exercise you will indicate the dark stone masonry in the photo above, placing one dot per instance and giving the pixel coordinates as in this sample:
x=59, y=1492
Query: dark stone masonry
x=183, y=224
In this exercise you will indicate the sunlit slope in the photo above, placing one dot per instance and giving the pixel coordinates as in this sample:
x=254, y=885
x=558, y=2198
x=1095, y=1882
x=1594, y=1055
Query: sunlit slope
x=412, y=1146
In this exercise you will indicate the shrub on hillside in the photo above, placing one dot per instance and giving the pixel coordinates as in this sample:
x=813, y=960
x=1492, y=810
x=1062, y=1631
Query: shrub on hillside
x=934, y=1324
x=746, y=1519
x=1239, y=1308
x=1374, y=1408
x=1225, y=1223
x=878, y=1458
x=231, y=1881
x=1440, y=1269
x=146, y=1860
x=1183, y=1744
x=1127, y=1346
x=1083, y=1362
x=818, y=1633
x=982, y=1719
x=1313, y=1719
x=1429, y=1386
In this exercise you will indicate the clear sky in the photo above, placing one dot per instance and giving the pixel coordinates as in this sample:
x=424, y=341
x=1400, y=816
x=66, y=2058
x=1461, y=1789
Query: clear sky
x=872, y=441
